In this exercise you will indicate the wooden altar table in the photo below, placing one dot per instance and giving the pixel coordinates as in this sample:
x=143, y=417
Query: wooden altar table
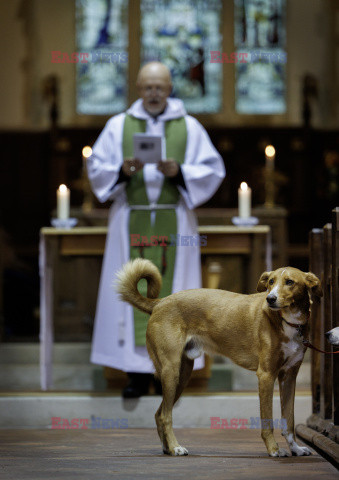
x=254, y=242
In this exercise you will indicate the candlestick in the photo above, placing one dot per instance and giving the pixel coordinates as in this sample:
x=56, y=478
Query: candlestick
x=213, y=276
x=244, y=200
x=63, y=202
x=87, y=204
x=269, y=176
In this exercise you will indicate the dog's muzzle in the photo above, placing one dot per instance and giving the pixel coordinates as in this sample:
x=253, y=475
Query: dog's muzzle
x=333, y=336
x=271, y=300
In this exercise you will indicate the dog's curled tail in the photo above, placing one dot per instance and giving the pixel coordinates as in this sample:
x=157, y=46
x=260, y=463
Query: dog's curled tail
x=127, y=284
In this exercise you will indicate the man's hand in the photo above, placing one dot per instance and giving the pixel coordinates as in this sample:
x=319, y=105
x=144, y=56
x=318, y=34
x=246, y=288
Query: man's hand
x=131, y=166
x=169, y=168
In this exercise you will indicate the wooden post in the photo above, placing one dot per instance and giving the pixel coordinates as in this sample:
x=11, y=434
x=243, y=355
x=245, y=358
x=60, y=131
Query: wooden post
x=2, y=268
x=48, y=252
x=335, y=310
x=326, y=360
x=134, y=60
x=316, y=249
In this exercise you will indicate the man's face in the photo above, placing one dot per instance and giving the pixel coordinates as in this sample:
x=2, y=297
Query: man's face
x=154, y=89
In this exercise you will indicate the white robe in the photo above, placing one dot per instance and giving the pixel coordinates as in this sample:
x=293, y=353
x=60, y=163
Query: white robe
x=203, y=171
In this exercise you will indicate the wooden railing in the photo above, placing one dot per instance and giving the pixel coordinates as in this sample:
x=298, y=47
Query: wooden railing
x=323, y=425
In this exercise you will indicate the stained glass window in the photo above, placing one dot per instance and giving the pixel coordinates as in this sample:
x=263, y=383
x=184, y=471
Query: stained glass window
x=101, y=42
x=181, y=34
x=260, y=38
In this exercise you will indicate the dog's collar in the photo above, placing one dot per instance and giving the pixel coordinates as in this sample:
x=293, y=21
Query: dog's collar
x=301, y=329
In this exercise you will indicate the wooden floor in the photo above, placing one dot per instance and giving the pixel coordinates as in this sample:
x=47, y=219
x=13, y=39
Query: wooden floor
x=136, y=453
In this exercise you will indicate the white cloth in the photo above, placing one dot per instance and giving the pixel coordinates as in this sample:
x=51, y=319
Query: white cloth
x=203, y=171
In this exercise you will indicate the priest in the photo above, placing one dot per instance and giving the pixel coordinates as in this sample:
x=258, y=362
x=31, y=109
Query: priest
x=151, y=215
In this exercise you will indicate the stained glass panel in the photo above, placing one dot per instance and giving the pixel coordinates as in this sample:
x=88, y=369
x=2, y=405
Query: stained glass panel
x=181, y=34
x=102, y=34
x=260, y=35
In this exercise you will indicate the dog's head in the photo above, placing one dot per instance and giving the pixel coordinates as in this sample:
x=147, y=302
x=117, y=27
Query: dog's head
x=287, y=287
x=333, y=336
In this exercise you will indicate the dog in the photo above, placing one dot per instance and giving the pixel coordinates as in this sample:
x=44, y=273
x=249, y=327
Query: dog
x=333, y=336
x=262, y=332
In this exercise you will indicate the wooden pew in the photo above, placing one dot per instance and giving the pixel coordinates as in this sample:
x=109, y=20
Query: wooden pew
x=326, y=360
x=316, y=243
x=335, y=310
x=322, y=430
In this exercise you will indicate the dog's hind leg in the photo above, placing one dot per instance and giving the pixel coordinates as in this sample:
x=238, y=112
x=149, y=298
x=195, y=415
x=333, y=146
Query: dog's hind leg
x=287, y=380
x=186, y=368
x=165, y=346
x=172, y=387
x=158, y=368
x=163, y=417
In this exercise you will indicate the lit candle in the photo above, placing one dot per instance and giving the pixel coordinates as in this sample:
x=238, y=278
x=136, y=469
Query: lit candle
x=86, y=153
x=270, y=156
x=63, y=202
x=244, y=199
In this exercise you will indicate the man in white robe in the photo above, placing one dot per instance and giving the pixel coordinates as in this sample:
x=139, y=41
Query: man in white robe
x=197, y=178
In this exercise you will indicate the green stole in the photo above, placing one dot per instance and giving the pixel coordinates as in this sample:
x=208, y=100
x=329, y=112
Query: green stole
x=165, y=222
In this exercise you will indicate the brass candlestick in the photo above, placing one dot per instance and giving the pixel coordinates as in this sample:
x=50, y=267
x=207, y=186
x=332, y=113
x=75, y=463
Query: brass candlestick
x=214, y=271
x=269, y=190
x=269, y=177
x=87, y=204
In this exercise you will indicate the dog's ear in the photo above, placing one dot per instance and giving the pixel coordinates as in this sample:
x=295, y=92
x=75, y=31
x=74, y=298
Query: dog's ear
x=262, y=284
x=314, y=284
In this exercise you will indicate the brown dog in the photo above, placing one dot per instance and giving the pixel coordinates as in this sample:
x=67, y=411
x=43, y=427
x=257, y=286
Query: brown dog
x=262, y=332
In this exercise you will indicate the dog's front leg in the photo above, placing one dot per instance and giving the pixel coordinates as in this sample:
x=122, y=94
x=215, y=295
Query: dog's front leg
x=287, y=380
x=266, y=385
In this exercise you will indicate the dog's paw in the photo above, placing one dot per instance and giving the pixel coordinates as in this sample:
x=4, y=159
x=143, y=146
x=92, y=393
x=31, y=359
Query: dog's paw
x=180, y=451
x=281, y=452
x=177, y=451
x=298, y=451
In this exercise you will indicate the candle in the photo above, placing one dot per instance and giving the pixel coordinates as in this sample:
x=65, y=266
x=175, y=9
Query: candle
x=86, y=153
x=270, y=156
x=63, y=202
x=244, y=199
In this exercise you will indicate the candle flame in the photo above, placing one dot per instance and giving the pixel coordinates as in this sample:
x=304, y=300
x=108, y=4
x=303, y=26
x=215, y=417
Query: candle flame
x=244, y=186
x=270, y=151
x=62, y=188
x=86, y=151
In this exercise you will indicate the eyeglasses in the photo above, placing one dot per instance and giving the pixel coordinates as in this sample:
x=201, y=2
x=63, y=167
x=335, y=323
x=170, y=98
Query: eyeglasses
x=158, y=90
